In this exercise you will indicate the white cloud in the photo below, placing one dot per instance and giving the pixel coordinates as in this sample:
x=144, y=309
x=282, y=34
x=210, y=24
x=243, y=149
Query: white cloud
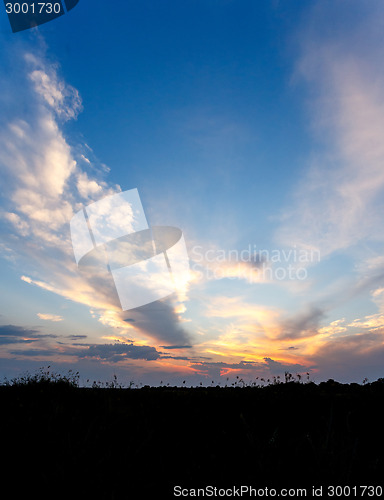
x=88, y=188
x=38, y=161
x=333, y=328
x=371, y=322
x=84, y=158
x=378, y=298
x=61, y=97
x=46, y=186
x=50, y=317
x=20, y=224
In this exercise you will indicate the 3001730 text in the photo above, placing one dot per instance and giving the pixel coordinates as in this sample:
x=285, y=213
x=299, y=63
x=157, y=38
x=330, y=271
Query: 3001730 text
x=33, y=8
x=354, y=491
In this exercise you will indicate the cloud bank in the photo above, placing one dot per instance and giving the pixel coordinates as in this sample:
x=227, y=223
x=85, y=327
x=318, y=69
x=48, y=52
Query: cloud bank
x=48, y=181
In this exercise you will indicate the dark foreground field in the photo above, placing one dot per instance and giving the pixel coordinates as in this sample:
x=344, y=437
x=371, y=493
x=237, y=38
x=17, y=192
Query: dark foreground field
x=124, y=443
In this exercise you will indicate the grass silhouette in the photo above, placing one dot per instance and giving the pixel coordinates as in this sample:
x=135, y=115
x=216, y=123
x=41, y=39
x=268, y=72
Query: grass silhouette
x=109, y=441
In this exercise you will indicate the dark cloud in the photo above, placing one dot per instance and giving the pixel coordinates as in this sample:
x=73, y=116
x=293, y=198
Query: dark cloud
x=17, y=331
x=10, y=334
x=36, y=352
x=214, y=369
x=176, y=346
x=182, y=358
x=13, y=334
x=352, y=357
x=304, y=324
x=242, y=365
x=276, y=368
x=160, y=322
x=107, y=352
x=119, y=352
x=269, y=367
x=12, y=340
x=350, y=346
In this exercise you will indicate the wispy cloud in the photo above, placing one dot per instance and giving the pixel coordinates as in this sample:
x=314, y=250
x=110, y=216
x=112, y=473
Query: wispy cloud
x=351, y=357
x=14, y=334
x=48, y=181
x=338, y=204
x=58, y=95
x=339, y=201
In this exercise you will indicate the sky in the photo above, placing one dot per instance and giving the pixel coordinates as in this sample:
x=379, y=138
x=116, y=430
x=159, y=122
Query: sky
x=256, y=129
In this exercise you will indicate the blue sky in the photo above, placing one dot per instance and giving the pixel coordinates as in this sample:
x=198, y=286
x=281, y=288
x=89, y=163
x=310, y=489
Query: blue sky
x=252, y=126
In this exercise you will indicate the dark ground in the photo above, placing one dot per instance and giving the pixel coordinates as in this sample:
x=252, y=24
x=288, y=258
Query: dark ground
x=71, y=442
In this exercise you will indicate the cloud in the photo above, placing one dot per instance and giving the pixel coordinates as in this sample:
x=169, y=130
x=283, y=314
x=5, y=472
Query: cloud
x=88, y=188
x=276, y=367
x=119, y=352
x=351, y=357
x=35, y=352
x=177, y=358
x=243, y=365
x=335, y=327
x=232, y=307
x=339, y=200
x=20, y=225
x=160, y=322
x=17, y=331
x=95, y=290
x=48, y=181
x=176, y=346
x=13, y=334
x=303, y=324
x=39, y=165
x=50, y=317
x=252, y=319
x=266, y=368
x=59, y=96
x=371, y=322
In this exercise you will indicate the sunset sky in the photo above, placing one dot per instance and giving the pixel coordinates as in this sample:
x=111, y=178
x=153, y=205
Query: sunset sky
x=256, y=127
